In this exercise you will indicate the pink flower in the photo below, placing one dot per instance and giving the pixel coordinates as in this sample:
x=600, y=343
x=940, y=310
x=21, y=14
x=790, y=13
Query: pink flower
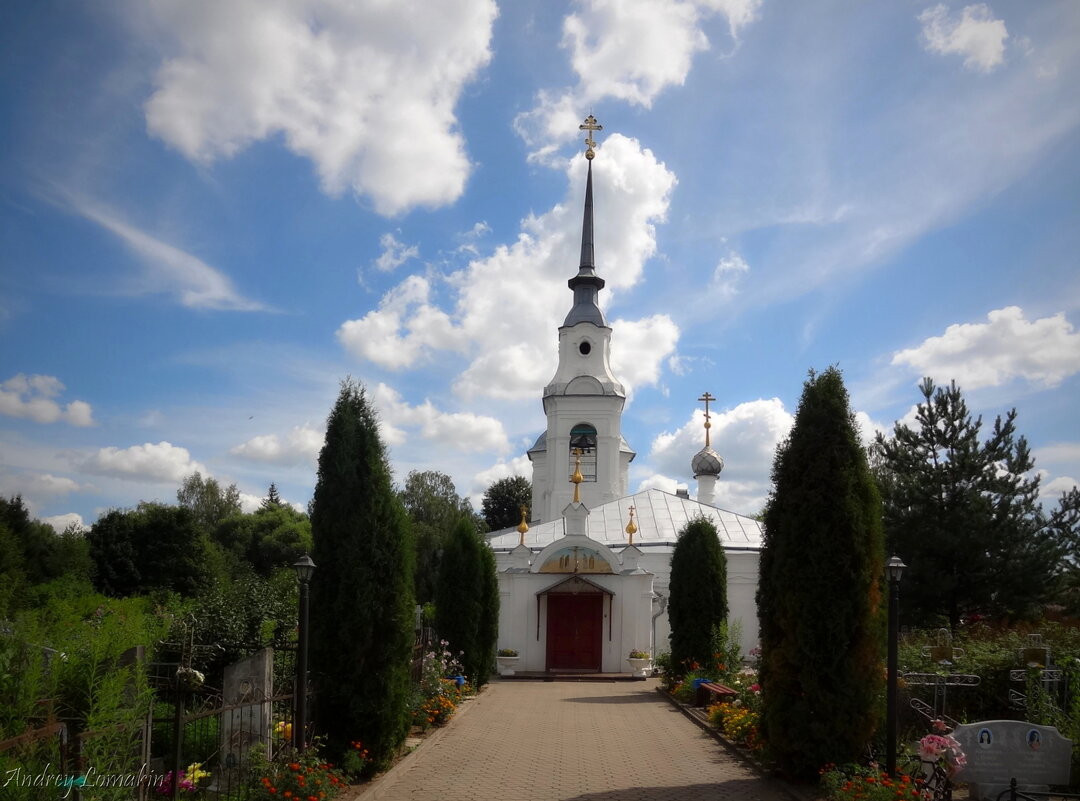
x=939, y=725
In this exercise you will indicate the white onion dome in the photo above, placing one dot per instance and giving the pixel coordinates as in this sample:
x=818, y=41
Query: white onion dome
x=707, y=462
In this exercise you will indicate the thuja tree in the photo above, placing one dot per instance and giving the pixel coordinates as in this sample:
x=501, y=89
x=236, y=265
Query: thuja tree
x=466, y=601
x=698, y=600
x=961, y=509
x=362, y=590
x=819, y=590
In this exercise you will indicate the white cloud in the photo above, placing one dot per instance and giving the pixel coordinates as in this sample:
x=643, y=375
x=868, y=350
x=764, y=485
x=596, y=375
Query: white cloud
x=1044, y=352
x=1051, y=491
x=508, y=304
x=149, y=462
x=745, y=436
x=299, y=446
x=631, y=50
x=31, y=397
x=660, y=482
x=36, y=487
x=168, y=269
x=61, y=523
x=518, y=466
x=365, y=90
x=728, y=274
x=249, y=503
x=976, y=35
x=378, y=336
x=394, y=253
x=462, y=431
x=639, y=348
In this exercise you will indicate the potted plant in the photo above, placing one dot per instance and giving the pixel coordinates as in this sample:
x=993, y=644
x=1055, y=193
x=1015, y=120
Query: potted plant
x=507, y=659
x=640, y=662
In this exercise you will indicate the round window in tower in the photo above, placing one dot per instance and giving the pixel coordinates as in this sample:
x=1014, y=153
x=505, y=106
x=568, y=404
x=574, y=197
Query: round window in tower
x=584, y=348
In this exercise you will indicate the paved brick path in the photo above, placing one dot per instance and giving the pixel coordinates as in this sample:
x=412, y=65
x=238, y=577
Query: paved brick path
x=571, y=741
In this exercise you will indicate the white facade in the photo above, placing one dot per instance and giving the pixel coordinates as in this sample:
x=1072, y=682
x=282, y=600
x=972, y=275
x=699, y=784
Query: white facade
x=576, y=593
x=660, y=516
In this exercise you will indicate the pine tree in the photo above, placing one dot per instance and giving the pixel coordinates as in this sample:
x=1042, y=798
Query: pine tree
x=819, y=590
x=698, y=588
x=463, y=613
x=361, y=594
x=272, y=499
x=963, y=514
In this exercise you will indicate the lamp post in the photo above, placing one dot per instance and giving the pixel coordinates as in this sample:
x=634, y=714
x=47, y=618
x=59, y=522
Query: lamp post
x=304, y=568
x=894, y=569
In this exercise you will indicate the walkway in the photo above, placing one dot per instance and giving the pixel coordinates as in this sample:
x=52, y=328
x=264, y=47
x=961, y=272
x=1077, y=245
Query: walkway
x=571, y=741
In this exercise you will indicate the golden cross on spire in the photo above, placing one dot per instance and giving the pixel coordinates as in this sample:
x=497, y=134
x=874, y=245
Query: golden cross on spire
x=590, y=125
x=707, y=398
x=631, y=527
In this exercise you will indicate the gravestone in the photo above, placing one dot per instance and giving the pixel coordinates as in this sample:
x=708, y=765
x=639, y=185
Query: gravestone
x=1001, y=750
x=247, y=717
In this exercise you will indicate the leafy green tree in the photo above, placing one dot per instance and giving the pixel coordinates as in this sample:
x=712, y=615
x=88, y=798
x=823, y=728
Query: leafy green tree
x=698, y=593
x=463, y=613
x=963, y=513
x=362, y=593
x=43, y=555
x=434, y=507
x=272, y=537
x=503, y=501
x=152, y=547
x=819, y=588
x=207, y=501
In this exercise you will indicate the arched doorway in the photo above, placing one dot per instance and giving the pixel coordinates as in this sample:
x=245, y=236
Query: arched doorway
x=576, y=610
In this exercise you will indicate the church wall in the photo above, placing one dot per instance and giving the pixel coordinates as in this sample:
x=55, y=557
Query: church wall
x=633, y=625
x=626, y=623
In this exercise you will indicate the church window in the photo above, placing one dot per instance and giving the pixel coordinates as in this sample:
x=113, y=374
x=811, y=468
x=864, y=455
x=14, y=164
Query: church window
x=584, y=348
x=583, y=443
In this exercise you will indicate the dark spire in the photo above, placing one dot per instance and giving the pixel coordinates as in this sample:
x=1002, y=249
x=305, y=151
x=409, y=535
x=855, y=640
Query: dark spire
x=586, y=284
x=586, y=228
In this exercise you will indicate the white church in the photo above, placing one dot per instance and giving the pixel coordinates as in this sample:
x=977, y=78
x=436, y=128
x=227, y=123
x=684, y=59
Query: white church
x=586, y=580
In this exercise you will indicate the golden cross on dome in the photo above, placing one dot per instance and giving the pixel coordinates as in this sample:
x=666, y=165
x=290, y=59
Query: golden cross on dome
x=707, y=398
x=577, y=478
x=523, y=526
x=590, y=125
x=631, y=527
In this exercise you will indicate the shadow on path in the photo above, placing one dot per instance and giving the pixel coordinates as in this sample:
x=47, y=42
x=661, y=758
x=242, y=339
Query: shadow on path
x=735, y=789
x=639, y=697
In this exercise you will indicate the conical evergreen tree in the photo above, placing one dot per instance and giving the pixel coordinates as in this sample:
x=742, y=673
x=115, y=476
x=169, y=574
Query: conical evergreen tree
x=819, y=591
x=963, y=513
x=362, y=608
x=463, y=614
x=698, y=600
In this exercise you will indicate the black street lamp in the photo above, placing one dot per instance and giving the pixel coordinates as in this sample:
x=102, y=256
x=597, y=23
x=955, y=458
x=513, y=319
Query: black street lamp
x=304, y=568
x=894, y=569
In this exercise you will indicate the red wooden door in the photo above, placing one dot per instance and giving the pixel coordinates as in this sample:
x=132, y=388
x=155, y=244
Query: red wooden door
x=575, y=630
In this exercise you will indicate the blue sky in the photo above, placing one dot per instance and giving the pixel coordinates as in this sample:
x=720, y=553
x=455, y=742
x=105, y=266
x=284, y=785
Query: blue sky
x=213, y=212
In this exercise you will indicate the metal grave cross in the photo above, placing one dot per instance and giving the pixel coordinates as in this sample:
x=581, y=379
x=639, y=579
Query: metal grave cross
x=1035, y=657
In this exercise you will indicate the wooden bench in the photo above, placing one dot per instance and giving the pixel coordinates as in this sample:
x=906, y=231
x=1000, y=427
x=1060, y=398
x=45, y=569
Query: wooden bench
x=710, y=692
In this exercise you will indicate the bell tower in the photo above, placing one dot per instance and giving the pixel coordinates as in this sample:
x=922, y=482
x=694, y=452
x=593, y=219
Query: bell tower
x=583, y=401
